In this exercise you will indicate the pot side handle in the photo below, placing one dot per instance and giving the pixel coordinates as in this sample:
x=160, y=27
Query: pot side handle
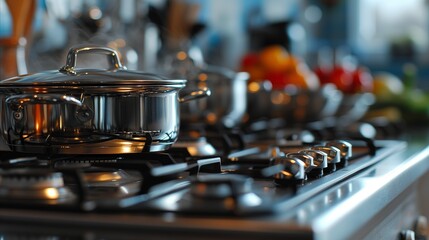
x=17, y=101
x=71, y=62
x=200, y=93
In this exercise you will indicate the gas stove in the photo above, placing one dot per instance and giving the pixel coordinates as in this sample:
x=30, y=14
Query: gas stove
x=242, y=184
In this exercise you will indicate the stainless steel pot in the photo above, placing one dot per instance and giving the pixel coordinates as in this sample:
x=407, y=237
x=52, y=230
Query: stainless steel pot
x=91, y=111
x=227, y=104
x=294, y=105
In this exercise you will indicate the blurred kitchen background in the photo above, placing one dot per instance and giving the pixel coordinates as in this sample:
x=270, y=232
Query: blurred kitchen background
x=387, y=39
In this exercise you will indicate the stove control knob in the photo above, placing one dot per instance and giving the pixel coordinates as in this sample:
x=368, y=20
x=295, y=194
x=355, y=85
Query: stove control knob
x=345, y=149
x=293, y=171
x=320, y=160
x=333, y=153
x=305, y=158
x=333, y=156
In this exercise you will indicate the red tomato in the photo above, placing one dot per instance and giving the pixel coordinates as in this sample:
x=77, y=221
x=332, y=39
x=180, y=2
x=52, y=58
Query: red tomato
x=342, y=78
x=250, y=60
x=323, y=74
x=278, y=79
x=362, y=81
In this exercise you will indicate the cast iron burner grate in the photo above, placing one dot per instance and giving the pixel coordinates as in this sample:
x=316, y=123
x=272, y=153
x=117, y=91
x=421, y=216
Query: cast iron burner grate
x=22, y=173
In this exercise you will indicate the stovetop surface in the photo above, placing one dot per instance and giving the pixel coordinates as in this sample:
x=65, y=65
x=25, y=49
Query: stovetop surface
x=256, y=176
x=236, y=193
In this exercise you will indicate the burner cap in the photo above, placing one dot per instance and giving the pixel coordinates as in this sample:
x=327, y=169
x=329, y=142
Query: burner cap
x=221, y=186
x=31, y=179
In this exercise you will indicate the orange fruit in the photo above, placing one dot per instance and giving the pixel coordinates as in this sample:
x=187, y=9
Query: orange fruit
x=293, y=63
x=274, y=58
x=297, y=79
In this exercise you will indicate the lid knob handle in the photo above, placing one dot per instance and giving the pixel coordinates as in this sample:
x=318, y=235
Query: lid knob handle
x=71, y=62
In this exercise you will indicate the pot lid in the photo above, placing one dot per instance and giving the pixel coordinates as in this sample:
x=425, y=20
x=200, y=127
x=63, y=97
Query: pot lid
x=69, y=75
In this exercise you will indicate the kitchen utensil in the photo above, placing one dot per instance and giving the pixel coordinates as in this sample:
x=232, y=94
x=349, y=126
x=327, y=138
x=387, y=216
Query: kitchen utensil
x=226, y=106
x=91, y=111
x=294, y=105
x=12, y=48
x=182, y=17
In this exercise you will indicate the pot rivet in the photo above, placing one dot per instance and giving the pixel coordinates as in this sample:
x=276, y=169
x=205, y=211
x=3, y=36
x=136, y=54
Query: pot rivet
x=84, y=114
x=17, y=115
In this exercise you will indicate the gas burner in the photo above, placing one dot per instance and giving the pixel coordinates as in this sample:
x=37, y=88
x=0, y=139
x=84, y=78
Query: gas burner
x=221, y=194
x=25, y=178
x=111, y=183
x=33, y=185
x=63, y=187
x=215, y=186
